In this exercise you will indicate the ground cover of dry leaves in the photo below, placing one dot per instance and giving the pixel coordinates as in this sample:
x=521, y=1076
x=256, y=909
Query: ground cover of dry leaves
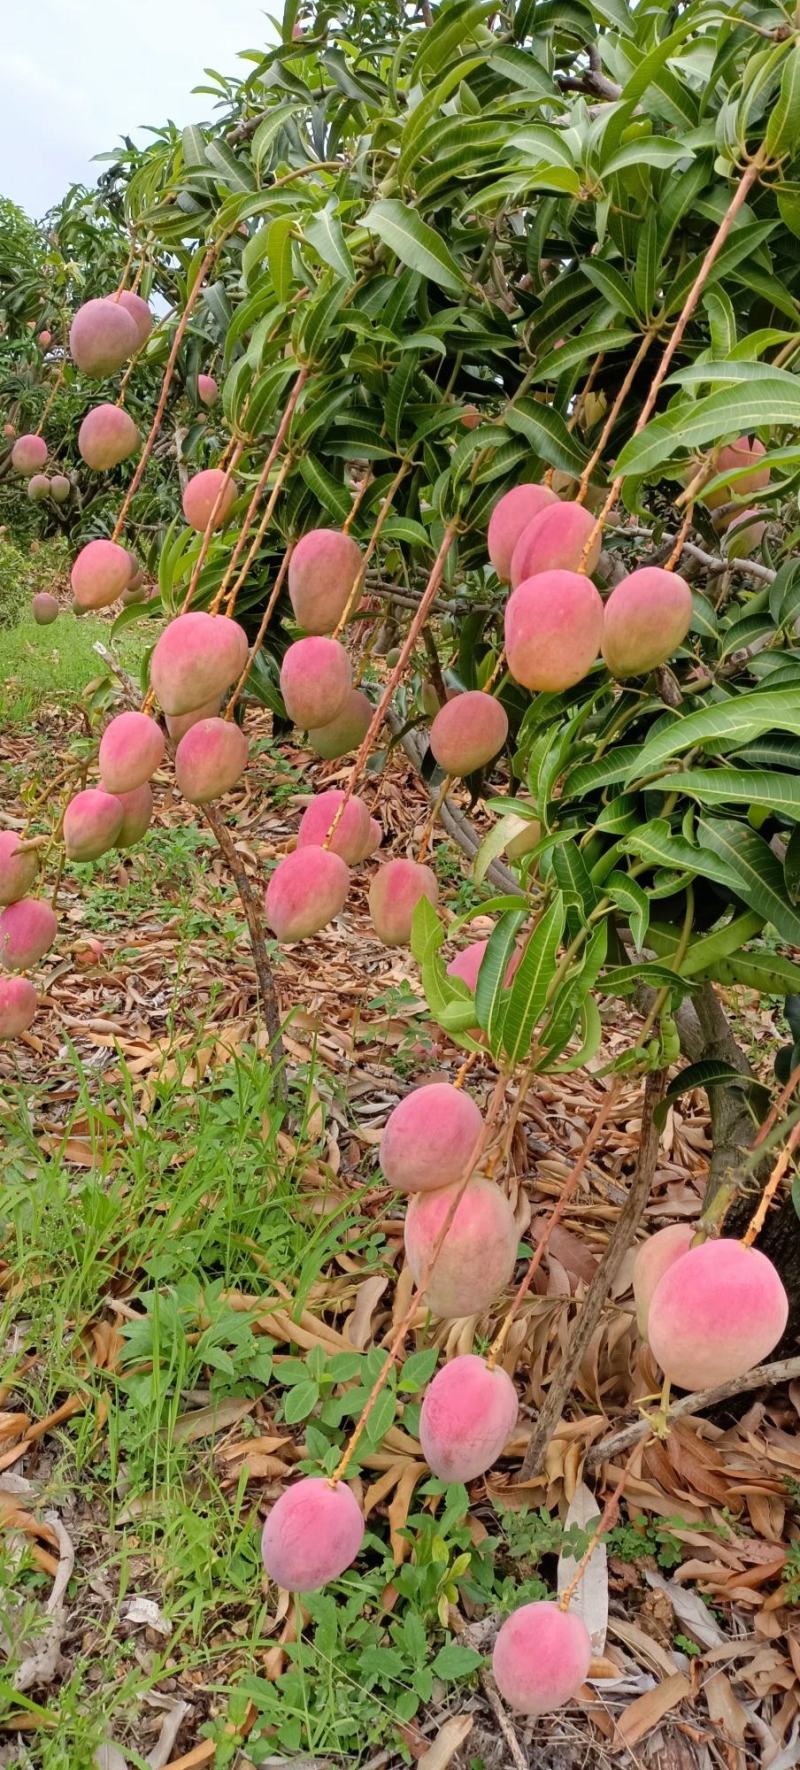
x=697, y=1664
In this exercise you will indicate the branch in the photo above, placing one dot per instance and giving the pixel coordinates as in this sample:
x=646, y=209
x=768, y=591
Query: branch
x=255, y=924
x=764, y=1376
x=597, y=1295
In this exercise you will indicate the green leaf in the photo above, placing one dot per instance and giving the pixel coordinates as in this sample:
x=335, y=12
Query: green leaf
x=758, y=871
x=455, y=1661
x=752, y=405
x=742, y=717
x=532, y=980
x=547, y=432
x=382, y=1415
x=414, y=243
x=279, y=254
x=783, y=129
x=193, y=143
x=418, y=1370
x=738, y=786
x=490, y=999
x=646, y=150
x=631, y=897
x=236, y=174
x=710, y=1074
x=656, y=843
x=324, y=232
x=300, y=1402
x=579, y=351
x=611, y=283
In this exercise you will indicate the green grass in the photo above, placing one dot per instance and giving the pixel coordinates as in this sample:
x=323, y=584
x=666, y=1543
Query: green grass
x=49, y=664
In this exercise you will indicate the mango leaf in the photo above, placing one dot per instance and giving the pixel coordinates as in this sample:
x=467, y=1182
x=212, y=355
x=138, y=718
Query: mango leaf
x=324, y=232
x=711, y=1074
x=739, y=786
x=490, y=999
x=758, y=871
x=742, y=717
x=731, y=409
x=646, y=150
x=414, y=243
x=633, y=899
x=531, y=982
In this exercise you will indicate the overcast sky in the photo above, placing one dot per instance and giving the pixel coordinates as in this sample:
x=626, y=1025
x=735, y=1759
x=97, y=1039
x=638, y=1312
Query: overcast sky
x=75, y=75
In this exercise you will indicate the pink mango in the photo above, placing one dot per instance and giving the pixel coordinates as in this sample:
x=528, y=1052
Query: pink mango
x=346, y=731
x=352, y=831
x=137, y=815
x=29, y=454
x=431, y=1138
x=18, y=1004
x=508, y=519
x=107, y=436
x=17, y=869
x=468, y=732
x=206, y=495
x=469, y=1412
x=322, y=571
x=27, y=931
x=316, y=680
x=311, y=1535
x=44, y=608
x=139, y=313
x=100, y=574
x=210, y=759
x=131, y=749
x=541, y=1658
x=102, y=337
x=394, y=894
x=196, y=658
x=92, y=823
x=479, y=1251
x=653, y=1259
x=717, y=1311
x=554, y=542
x=646, y=618
x=553, y=630
x=307, y=889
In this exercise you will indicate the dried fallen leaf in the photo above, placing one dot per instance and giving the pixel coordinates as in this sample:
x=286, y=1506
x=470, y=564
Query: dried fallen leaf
x=448, y=1741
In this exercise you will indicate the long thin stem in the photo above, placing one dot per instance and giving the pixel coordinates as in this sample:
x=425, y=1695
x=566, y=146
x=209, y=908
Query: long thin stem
x=737, y=202
x=259, y=638
x=275, y=449
x=611, y=418
x=759, y=1216
x=203, y=270
x=406, y=649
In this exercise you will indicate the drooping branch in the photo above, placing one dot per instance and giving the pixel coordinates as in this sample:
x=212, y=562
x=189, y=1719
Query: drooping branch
x=255, y=926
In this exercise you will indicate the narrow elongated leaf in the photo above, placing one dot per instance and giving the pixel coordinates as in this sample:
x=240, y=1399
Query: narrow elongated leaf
x=711, y=1074
x=758, y=872
x=547, y=433
x=740, y=786
x=768, y=402
x=656, y=843
x=324, y=233
x=646, y=150
x=741, y=718
x=489, y=996
x=611, y=283
x=630, y=896
x=279, y=254
x=414, y=243
x=531, y=982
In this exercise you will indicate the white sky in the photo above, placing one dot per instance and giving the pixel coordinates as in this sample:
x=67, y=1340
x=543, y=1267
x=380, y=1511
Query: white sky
x=76, y=75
